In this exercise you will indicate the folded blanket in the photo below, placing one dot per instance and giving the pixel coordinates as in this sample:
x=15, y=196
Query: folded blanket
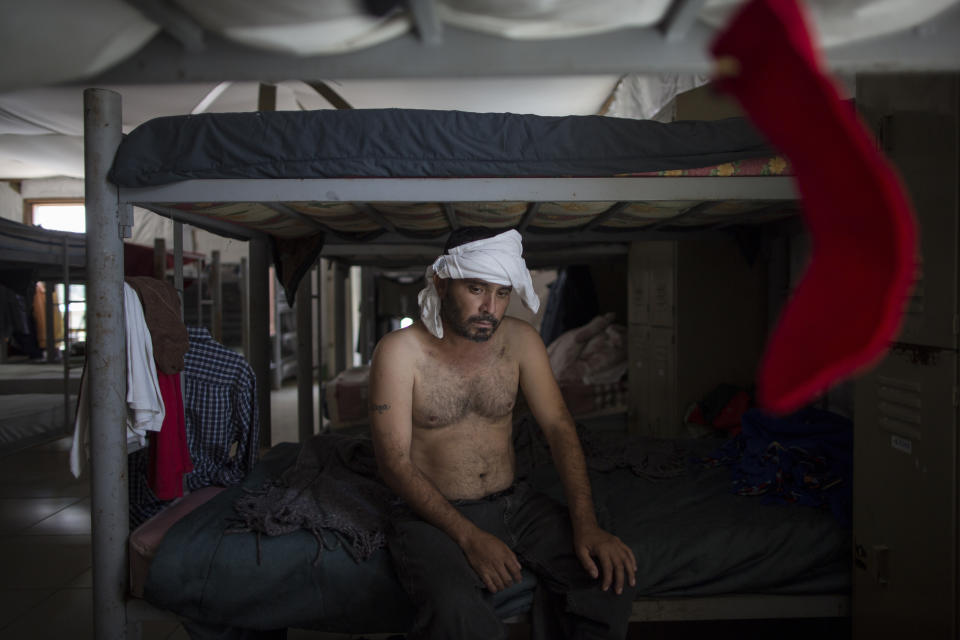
x=334, y=488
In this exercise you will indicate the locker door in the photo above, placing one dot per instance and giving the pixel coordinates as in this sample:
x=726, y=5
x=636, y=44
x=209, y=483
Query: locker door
x=914, y=117
x=905, y=505
x=923, y=146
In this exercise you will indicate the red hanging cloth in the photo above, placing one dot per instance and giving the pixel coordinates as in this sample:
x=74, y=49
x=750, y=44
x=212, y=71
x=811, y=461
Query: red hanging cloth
x=849, y=303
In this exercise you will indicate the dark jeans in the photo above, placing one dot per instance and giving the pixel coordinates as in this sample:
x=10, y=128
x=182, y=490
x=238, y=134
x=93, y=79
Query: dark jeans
x=452, y=601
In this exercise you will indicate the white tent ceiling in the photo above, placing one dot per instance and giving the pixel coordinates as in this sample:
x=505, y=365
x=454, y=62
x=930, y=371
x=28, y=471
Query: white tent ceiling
x=173, y=56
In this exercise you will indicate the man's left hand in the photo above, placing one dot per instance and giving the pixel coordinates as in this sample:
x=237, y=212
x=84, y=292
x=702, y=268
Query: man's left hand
x=615, y=559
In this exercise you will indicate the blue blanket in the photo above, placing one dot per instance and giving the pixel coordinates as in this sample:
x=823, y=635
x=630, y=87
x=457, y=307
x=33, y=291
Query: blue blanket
x=805, y=458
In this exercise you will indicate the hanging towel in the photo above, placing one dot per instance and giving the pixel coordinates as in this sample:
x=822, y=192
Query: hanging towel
x=145, y=410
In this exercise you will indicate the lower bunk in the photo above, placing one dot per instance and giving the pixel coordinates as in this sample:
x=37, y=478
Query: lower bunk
x=703, y=553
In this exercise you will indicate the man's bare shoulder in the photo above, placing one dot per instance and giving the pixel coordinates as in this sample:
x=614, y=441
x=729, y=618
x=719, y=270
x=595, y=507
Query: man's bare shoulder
x=401, y=343
x=520, y=332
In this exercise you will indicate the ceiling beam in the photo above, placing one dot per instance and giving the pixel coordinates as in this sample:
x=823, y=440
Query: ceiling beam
x=679, y=19
x=174, y=21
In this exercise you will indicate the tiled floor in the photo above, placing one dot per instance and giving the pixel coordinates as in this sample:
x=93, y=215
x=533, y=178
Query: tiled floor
x=45, y=546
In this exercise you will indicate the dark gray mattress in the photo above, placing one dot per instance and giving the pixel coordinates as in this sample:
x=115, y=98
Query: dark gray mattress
x=690, y=534
x=401, y=143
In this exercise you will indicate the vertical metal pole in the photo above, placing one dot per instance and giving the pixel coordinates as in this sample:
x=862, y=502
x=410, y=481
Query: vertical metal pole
x=50, y=336
x=178, y=261
x=245, y=306
x=341, y=334
x=159, y=258
x=107, y=378
x=178, y=280
x=304, y=309
x=277, y=334
x=66, y=339
x=200, y=268
x=321, y=307
x=368, y=314
x=216, y=294
x=259, y=312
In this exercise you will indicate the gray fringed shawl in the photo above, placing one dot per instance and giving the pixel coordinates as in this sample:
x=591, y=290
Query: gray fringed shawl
x=332, y=488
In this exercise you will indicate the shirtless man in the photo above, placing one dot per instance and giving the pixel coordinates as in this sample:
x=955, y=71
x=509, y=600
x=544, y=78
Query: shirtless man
x=442, y=395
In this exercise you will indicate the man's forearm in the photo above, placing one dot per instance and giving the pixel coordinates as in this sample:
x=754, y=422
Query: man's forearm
x=572, y=467
x=419, y=492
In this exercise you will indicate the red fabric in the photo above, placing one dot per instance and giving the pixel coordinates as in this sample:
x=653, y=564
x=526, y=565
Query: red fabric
x=169, y=454
x=138, y=259
x=848, y=306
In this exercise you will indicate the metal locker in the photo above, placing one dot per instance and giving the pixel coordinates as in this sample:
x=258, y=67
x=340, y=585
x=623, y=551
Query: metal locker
x=906, y=576
x=914, y=117
x=905, y=497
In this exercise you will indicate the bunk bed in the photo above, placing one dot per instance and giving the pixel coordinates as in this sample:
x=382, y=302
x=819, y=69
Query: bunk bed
x=30, y=254
x=295, y=186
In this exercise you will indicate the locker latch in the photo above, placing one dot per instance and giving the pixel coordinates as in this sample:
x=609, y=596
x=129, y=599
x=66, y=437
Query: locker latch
x=881, y=564
x=880, y=570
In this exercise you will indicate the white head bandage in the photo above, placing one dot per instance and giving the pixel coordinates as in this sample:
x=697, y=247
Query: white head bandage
x=497, y=260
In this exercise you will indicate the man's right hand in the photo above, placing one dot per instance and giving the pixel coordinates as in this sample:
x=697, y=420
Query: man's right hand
x=493, y=560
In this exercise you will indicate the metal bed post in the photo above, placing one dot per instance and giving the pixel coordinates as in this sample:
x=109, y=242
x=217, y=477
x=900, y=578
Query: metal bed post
x=341, y=335
x=260, y=331
x=178, y=261
x=106, y=375
x=178, y=281
x=244, y=307
x=159, y=258
x=304, y=310
x=216, y=297
x=48, y=315
x=66, y=337
x=321, y=308
x=277, y=344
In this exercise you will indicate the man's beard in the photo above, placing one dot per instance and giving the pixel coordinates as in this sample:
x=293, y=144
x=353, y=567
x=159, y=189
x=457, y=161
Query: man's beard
x=450, y=313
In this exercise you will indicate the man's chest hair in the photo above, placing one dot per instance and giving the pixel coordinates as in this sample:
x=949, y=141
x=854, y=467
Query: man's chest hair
x=446, y=395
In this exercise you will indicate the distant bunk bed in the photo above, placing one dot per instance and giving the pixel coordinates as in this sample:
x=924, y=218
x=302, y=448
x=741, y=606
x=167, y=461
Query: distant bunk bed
x=29, y=255
x=385, y=187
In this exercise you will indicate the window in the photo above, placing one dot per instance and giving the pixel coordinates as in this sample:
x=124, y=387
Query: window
x=57, y=215
x=64, y=215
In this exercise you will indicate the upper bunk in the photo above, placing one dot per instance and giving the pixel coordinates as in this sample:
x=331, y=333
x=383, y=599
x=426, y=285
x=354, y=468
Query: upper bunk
x=388, y=185
x=34, y=253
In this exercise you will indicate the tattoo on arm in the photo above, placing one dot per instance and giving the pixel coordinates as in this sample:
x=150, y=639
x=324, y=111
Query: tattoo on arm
x=379, y=408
